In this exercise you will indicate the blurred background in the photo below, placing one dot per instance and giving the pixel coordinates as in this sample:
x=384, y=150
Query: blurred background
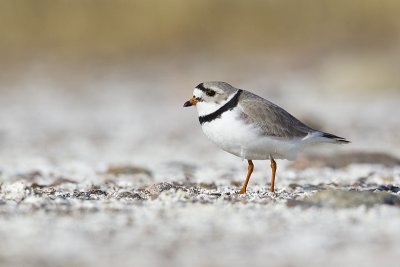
x=91, y=118
x=101, y=80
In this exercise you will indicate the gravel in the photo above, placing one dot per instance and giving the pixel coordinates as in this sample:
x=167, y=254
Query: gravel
x=124, y=177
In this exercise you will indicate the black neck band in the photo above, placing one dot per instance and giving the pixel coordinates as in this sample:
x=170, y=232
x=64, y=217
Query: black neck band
x=231, y=104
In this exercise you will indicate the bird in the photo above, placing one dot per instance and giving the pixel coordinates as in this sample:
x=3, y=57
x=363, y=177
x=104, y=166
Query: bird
x=251, y=127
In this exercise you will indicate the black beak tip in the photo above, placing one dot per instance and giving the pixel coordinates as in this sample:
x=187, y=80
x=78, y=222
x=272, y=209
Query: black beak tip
x=187, y=104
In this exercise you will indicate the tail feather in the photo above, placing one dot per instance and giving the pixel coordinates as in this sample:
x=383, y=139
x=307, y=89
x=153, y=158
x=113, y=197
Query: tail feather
x=335, y=138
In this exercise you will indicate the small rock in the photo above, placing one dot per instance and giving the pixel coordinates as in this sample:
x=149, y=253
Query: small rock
x=156, y=189
x=31, y=176
x=120, y=170
x=235, y=183
x=174, y=195
x=346, y=199
x=388, y=188
x=129, y=195
x=90, y=195
x=43, y=191
x=342, y=160
x=63, y=180
x=14, y=191
x=186, y=168
x=209, y=186
x=294, y=186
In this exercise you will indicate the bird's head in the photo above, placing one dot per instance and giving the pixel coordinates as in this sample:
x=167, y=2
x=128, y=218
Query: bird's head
x=210, y=96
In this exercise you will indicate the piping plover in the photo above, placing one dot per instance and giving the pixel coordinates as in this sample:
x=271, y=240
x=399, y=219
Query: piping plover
x=251, y=127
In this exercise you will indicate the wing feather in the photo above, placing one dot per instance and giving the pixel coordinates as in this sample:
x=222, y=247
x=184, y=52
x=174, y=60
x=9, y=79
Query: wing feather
x=271, y=119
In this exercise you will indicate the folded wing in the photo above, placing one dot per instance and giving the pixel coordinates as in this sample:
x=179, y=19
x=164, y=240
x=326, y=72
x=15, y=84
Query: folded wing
x=271, y=119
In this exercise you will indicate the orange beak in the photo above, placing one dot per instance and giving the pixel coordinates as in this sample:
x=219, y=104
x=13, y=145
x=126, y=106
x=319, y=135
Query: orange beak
x=192, y=102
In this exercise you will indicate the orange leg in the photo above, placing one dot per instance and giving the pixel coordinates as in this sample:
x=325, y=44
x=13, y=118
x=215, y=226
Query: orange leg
x=273, y=167
x=249, y=171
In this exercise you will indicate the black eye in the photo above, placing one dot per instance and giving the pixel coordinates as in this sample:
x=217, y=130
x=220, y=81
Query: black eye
x=210, y=92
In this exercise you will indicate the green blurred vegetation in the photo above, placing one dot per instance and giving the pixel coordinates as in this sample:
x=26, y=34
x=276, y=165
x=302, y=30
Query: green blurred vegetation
x=123, y=29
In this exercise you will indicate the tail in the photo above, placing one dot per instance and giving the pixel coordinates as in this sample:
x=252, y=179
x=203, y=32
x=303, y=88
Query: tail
x=331, y=138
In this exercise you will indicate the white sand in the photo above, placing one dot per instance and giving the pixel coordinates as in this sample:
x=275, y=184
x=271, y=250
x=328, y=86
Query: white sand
x=50, y=132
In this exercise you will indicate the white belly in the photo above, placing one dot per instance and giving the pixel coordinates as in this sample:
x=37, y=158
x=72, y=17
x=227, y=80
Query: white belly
x=245, y=141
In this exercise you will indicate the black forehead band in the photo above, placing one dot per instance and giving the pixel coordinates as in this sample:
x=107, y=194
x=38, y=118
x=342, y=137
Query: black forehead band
x=201, y=87
x=205, y=90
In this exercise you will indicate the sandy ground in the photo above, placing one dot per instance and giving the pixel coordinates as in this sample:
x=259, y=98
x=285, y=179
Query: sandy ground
x=116, y=172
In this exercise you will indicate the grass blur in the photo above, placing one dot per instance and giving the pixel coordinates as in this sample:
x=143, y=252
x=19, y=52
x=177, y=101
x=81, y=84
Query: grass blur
x=359, y=37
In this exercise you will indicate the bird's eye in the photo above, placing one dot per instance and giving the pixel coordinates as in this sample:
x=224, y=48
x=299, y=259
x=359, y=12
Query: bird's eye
x=210, y=92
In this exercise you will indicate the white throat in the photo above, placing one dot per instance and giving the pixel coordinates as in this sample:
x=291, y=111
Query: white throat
x=204, y=108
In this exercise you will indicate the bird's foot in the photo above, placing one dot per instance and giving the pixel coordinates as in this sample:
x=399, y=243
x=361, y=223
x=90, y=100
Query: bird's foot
x=271, y=190
x=242, y=192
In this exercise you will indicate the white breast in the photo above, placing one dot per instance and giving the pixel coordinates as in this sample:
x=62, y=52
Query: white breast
x=230, y=133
